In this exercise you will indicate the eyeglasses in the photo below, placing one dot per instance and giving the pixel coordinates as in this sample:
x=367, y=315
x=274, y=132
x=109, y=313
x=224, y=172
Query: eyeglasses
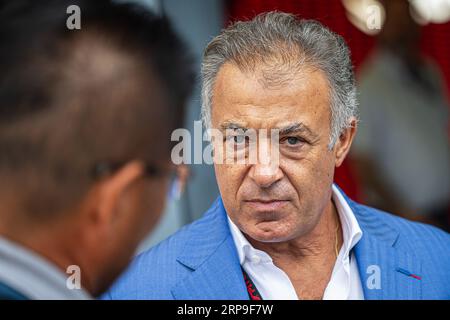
x=104, y=169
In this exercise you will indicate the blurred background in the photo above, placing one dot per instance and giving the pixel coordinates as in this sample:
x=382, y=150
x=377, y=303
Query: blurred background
x=400, y=161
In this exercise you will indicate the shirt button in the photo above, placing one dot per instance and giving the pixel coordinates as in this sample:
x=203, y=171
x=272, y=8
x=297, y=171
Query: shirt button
x=256, y=259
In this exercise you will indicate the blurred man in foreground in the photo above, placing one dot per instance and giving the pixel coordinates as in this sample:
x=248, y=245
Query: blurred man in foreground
x=85, y=123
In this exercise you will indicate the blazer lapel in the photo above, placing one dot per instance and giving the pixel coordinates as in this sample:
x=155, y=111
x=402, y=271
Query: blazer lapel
x=211, y=255
x=381, y=262
x=218, y=278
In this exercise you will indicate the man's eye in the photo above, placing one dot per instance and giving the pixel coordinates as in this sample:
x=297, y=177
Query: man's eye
x=237, y=139
x=293, y=141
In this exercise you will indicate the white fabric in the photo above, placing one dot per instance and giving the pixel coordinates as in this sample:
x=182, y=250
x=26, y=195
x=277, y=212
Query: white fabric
x=273, y=283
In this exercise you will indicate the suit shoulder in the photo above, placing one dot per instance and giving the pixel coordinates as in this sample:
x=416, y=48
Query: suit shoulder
x=414, y=234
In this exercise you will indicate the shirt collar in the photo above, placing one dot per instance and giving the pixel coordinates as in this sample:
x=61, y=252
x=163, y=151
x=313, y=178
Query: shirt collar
x=351, y=232
x=34, y=276
x=240, y=241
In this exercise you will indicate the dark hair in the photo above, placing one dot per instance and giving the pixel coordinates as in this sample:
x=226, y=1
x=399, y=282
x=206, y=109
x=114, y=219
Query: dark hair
x=112, y=91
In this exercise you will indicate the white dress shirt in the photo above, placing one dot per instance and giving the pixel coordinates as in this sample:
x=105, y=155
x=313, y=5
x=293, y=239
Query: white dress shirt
x=273, y=283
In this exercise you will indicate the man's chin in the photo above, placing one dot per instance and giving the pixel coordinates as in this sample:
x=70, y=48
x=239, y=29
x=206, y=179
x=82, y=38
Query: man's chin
x=265, y=233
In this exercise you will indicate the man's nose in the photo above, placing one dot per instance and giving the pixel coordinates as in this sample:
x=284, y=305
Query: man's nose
x=266, y=170
x=265, y=175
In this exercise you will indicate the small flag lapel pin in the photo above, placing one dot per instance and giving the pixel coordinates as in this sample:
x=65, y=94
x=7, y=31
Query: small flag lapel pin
x=409, y=274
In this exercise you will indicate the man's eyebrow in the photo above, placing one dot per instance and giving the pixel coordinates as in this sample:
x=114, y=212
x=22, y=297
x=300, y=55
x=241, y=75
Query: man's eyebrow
x=228, y=125
x=296, y=128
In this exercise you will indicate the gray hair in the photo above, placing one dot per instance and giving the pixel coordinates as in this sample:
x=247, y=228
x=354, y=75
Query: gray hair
x=294, y=41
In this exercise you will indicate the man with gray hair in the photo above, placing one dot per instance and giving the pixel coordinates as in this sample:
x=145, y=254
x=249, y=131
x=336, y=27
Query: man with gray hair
x=281, y=229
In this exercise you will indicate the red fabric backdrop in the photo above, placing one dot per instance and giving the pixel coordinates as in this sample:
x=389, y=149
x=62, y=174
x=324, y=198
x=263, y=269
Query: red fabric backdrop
x=435, y=44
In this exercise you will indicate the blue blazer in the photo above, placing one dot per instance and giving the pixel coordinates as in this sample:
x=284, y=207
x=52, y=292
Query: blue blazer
x=200, y=261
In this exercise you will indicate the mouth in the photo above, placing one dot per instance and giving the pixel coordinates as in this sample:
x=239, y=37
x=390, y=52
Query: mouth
x=266, y=204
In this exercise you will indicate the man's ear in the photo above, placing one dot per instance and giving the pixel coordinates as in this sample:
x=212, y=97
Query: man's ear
x=344, y=142
x=111, y=189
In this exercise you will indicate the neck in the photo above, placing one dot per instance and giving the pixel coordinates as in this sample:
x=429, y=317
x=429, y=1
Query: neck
x=320, y=243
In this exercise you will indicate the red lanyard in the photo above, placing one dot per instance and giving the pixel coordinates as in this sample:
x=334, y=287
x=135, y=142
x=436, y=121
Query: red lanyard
x=253, y=292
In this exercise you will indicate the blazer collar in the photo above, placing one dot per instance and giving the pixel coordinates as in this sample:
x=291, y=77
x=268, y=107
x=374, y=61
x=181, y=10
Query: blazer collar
x=211, y=254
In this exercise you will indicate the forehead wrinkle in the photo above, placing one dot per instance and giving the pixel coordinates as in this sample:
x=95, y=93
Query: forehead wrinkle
x=253, y=94
x=245, y=94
